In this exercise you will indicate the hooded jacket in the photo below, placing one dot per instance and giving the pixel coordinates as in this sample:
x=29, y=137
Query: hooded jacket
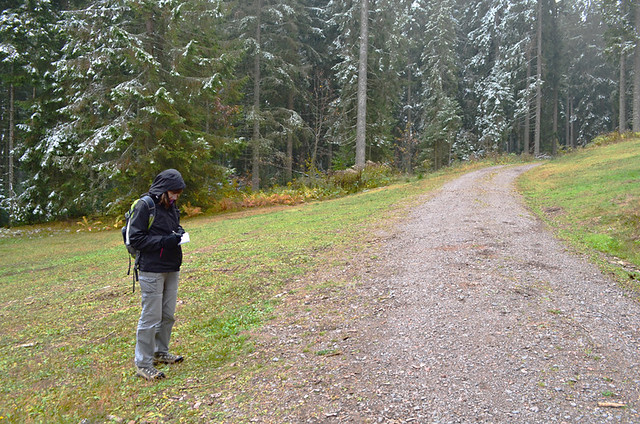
x=154, y=256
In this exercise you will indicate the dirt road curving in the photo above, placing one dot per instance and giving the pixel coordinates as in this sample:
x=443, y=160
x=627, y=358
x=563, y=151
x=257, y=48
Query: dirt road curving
x=469, y=311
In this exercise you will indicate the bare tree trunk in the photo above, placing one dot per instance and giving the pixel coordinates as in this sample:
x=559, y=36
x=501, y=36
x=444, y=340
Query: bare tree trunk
x=361, y=121
x=622, y=117
x=150, y=35
x=318, y=126
x=408, y=153
x=435, y=155
x=321, y=98
x=289, y=164
x=12, y=137
x=567, y=143
x=527, y=115
x=571, y=129
x=536, y=140
x=636, y=77
x=554, y=145
x=255, y=142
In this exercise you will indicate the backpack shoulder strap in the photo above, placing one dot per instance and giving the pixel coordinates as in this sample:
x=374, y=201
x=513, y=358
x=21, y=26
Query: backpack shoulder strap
x=129, y=215
x=152, y=208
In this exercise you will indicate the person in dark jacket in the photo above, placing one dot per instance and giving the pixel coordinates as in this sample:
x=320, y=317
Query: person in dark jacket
x=160, y=261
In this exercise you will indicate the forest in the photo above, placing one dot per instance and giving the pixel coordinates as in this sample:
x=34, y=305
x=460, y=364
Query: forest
x=100, y=95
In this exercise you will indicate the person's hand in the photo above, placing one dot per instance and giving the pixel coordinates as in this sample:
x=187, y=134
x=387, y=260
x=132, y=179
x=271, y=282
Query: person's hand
x=171, y=241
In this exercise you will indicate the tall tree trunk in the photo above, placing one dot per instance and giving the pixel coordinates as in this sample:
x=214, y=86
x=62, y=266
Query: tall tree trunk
x=555, y=80
x=567, y=114
x=255, y=142
x=361, y=121
x=536, y=140
x=527, y=115
x=12, y=136
x=554, y=141
x=409, y=130
x=571, y=129
x=636, y=76
x=622, y=103
x=321, y=96
x=150, y=34
x=289, y=164
x=207, y=117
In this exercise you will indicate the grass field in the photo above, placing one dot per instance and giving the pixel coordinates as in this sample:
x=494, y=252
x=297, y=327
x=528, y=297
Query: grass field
x=68, y=315
x=592, y=199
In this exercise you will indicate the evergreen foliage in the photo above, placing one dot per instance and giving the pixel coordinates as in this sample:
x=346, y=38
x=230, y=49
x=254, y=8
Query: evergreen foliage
x=100, y=95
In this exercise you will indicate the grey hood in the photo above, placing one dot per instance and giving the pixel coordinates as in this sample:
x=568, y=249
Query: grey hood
x=169, y=179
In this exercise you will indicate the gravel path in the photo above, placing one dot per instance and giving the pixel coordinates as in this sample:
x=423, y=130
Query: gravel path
x=471, y=312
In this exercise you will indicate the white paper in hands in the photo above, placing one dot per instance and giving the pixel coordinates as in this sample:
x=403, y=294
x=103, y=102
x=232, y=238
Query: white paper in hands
x=185, y=239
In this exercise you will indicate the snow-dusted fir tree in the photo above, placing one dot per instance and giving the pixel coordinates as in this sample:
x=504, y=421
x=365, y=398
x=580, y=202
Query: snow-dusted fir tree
x=439, y=71
x=621, y=42
x=383, y=80
x=133, y=76
x=636, y=69
x=363, y=69
x=500, y=32
x=317, y=64
x=28, y=46
x=276, y=62
x=345, y=23
x=411, y=20
x=590, y=77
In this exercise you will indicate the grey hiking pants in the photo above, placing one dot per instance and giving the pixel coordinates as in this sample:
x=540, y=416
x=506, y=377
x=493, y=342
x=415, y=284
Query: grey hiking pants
x=159, y=294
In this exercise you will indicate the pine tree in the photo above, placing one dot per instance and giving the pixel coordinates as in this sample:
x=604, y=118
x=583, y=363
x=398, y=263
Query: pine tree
x=620, y=40
x=538, y=117
x=28, y=46
x=383, y=80
x=361, y=121
x=277, y=64
x=501, y=33
x=320, y=90
x=439, y=72
x=636, y=70
x=590, y=79
x=127, y=79
x=411, y=20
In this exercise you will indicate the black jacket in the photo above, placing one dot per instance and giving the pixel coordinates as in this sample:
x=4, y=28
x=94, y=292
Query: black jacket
x=154, y=256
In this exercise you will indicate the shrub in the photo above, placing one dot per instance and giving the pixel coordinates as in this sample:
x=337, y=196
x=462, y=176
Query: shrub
x=376, y=175
x=612, y=137
x=191, y=211
x=313, y=186
x=372, y=176
x=347, y=179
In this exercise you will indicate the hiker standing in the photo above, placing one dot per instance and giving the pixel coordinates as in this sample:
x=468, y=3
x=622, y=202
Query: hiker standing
x=159, y=262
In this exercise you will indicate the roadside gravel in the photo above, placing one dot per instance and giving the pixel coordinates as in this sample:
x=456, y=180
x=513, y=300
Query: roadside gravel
x=469, y=311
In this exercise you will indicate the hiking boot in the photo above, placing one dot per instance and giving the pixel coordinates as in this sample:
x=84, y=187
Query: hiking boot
x=167, y=358
x=149, y=373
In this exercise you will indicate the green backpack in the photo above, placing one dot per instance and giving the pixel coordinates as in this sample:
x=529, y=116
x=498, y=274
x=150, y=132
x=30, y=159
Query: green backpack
x=133, y=252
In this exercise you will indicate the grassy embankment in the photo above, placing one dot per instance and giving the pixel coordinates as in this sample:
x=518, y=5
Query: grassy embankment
x=68, y=317
x=591, y=198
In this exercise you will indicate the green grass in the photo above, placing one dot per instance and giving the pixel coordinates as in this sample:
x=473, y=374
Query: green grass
x=592, y=198
x=68, y=317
